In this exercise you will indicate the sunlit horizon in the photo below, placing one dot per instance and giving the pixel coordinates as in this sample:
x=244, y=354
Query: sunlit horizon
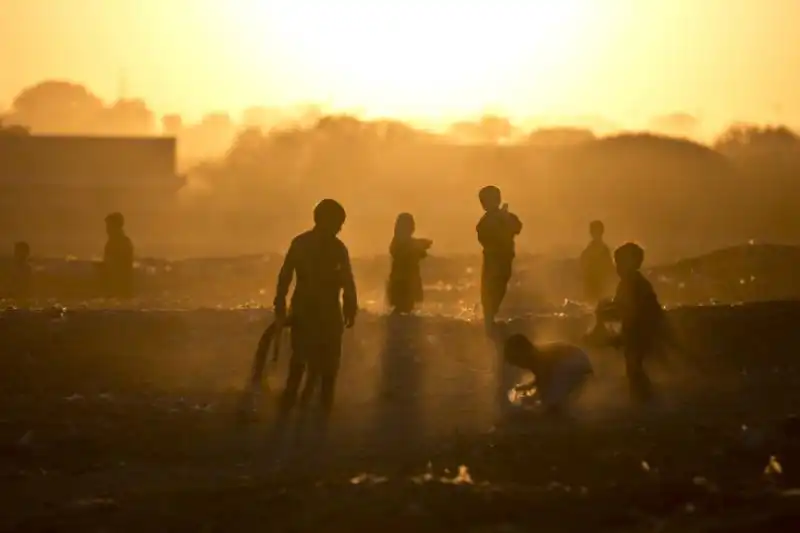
x=579, y=62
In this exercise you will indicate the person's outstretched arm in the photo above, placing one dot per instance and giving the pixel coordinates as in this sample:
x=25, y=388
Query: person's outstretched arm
x=421, y=247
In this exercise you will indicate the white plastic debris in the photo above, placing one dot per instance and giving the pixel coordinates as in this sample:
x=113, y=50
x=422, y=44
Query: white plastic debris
x=365, y=478
x=461, y=478
x=773, y=467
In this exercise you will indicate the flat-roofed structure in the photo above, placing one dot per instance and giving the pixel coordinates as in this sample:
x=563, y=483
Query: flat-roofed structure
x=55, y=190
x=72, y=161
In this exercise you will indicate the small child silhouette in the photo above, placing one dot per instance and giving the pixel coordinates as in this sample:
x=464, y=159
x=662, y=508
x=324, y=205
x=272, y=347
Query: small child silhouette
x=597, y=267
x=645, y=330
x=405, y=280
x=496, y=229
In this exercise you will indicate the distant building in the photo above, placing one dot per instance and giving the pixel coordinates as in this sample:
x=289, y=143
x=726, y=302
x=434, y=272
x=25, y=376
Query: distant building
x=105, y=162
x=55, y=190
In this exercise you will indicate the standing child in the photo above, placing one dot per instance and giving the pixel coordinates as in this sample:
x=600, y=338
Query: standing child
x=644, y=323
x=405, y=280
x=597, y=267
x=323, y=304
x=560, y=370
x=496, y=229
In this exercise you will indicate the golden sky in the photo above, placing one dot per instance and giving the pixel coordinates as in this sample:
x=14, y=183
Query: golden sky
x=626, y=60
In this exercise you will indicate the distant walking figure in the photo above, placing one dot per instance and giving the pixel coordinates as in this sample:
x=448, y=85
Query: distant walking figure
x=324, y=302
x=597, y=266
x=117, y=268
x=405, y=280
x=496, y=229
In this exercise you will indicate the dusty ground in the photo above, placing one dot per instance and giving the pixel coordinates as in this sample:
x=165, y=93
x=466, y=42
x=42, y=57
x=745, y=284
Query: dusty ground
x=125, y=421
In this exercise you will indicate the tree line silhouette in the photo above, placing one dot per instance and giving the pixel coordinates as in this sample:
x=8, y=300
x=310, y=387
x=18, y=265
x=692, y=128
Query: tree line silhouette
x=266, y=169
x=677, y=195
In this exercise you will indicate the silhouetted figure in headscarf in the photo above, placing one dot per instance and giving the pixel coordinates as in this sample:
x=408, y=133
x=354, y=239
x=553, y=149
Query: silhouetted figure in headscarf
x=117, y=268
x=496, y=229
x=405, y=280
x=21, y=274
x=324, y=302
x=597, y=266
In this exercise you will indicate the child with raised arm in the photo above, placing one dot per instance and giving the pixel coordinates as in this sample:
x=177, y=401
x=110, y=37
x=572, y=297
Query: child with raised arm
x=324, y=302
x=560, y=370
x=405, y=280
x=496, y=230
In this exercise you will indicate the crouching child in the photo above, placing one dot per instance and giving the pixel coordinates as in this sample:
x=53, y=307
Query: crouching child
x=560, y=371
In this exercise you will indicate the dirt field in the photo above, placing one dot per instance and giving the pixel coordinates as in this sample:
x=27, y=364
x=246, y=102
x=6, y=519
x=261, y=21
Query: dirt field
x=126, y=421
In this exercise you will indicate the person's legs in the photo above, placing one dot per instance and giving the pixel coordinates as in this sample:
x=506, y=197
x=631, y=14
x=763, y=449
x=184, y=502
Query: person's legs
x=329, y=370
x=494, y=285
x=489, y=302
x=641, y=389
x=309, y=388
x=307, y=415
x=503, y=277
x=404, y=304
x=330, y=357
x=401, y=295
x=311, y=383
x=297, y=368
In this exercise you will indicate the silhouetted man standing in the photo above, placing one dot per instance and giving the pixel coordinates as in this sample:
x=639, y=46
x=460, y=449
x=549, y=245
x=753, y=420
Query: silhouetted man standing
x=324, y=302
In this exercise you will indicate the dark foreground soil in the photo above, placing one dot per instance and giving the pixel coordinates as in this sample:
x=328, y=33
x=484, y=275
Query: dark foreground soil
x=126, y=421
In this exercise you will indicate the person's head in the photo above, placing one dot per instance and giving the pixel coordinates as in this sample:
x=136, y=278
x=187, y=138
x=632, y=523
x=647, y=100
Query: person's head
x=628, y=258
x=519, y=351
x=404, y=226
x=115, y=223
x=490, y=198
x=22, y=251
x=597, y=229
x=329, y=216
